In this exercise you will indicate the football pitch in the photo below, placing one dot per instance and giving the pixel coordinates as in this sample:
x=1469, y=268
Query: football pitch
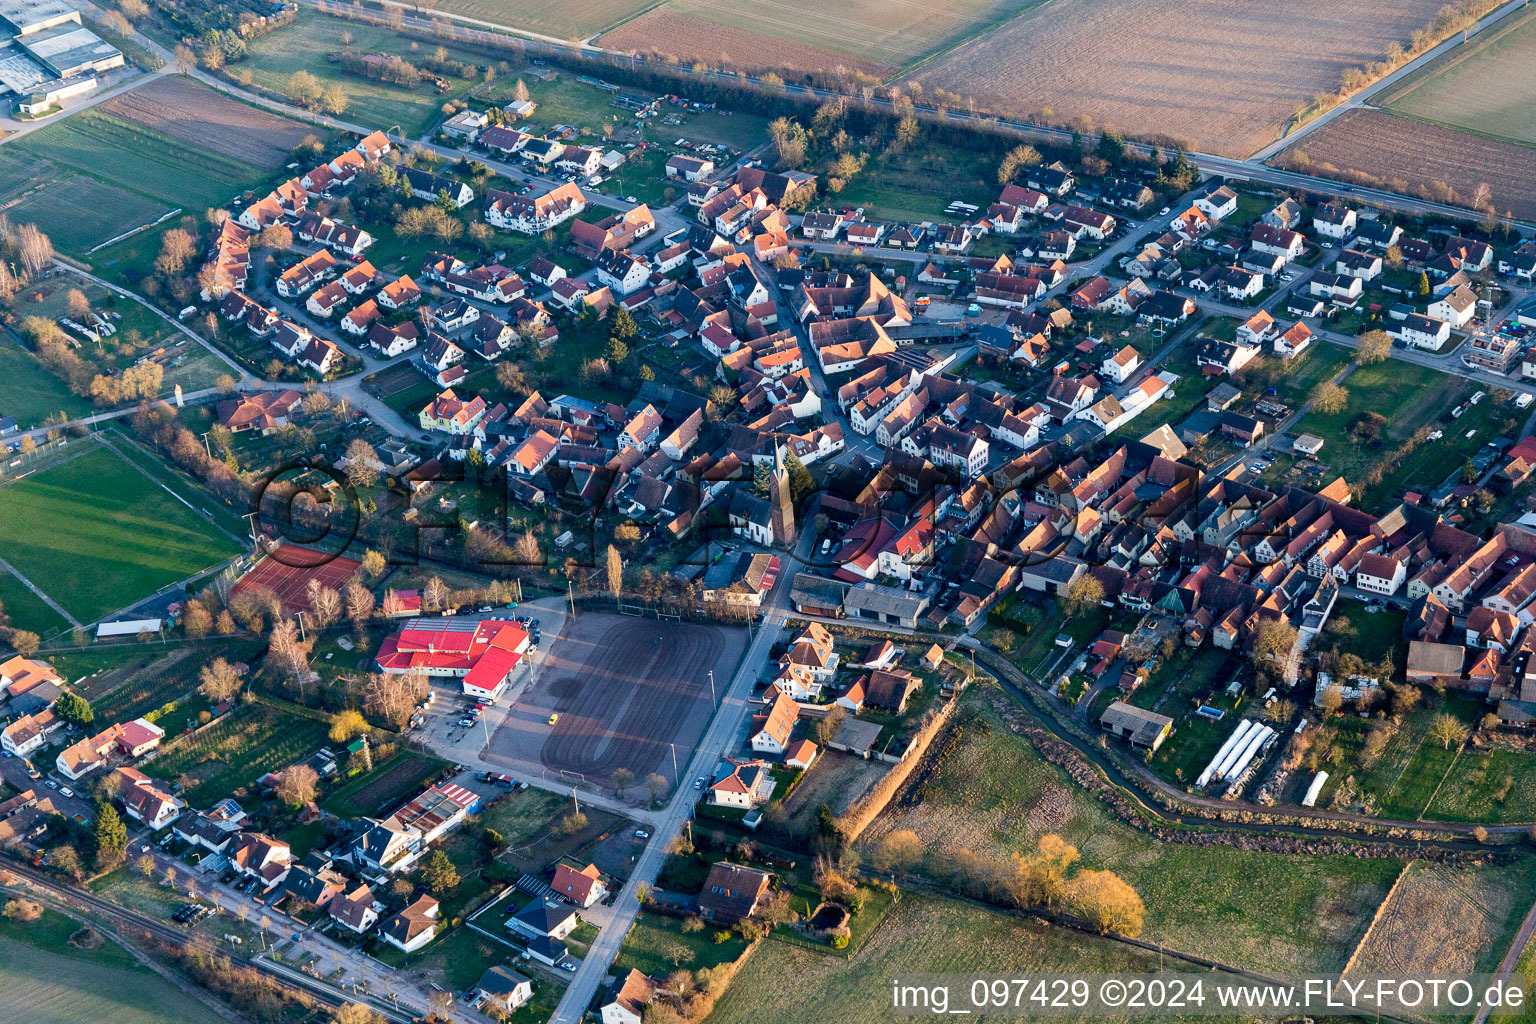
x=96, y=535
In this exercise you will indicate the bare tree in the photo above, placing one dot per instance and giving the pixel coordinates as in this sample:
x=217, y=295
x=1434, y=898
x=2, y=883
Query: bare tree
x=359, y=601
x=435, y=594
x=297, y=785
x=219, y=680
x=324, y=603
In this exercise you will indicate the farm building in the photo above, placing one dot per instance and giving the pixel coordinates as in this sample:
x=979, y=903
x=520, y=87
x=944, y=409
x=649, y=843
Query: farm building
x=1145, y=729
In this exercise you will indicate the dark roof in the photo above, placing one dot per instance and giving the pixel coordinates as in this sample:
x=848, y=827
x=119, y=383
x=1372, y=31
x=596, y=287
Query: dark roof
x=731, y=891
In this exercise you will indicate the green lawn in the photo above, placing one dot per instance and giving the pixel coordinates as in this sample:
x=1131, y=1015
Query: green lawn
x=304, y=46
x=1492, y=786
x=29, y=392
x=97, y=536
x=649, y=947
x=1411, y=397
x=237, y=750
x=920, y=183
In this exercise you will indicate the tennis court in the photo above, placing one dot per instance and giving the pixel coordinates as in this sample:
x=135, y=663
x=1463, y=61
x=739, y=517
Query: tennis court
x=287, y=570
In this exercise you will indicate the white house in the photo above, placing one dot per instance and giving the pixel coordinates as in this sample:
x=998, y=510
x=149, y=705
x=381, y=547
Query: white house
x=1422, y=331
x=1121, y=365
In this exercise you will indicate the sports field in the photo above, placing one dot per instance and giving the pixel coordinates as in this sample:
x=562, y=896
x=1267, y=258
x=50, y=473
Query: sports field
x=97, y=536
x=26, y=610
x=625, y=689
x=288, y=570
x=1485, y=85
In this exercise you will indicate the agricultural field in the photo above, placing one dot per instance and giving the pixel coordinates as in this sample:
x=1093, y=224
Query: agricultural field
x=1484, y=85
x=1415, y=157
x=237, y=750
x=867, y=34
x=1271, y=912
x=56, y=204
x=920, y=935
x=666, y=33
x=557, y=18
x=91, y=533
x=305, y=45
x=131, y=156
x=1442, y=922
x=190, y=111
x=1216, y=74
x=48, y=986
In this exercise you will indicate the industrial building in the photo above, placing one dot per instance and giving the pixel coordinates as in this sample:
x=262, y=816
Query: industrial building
x=47, y=55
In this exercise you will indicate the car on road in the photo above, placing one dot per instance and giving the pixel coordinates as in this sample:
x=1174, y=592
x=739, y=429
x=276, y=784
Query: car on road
x=66, y=791
x=698, y=783
x=554, y=718
x=51, y=784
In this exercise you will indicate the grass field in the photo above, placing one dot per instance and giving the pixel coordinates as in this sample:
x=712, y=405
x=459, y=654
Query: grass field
x=29, y=392
x=147, y=161
x=97, y=537
x=303, y=46
x=1493, y=786
x=1207, y=83
x=920, y=935
x=1410, y=397
x=920, y=183
x=1267, y=911
x=56, y=210
x=25, y=609
x=653, y=936
x=237, y=750
x=1484, y=85
x=389, y=784
x=48, y=986
x=1442, y=921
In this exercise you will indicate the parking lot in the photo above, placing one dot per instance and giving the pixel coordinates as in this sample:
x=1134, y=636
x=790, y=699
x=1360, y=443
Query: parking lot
x=453, y=727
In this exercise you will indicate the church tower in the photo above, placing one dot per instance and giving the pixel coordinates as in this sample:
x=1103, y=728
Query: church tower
x=781, y=500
